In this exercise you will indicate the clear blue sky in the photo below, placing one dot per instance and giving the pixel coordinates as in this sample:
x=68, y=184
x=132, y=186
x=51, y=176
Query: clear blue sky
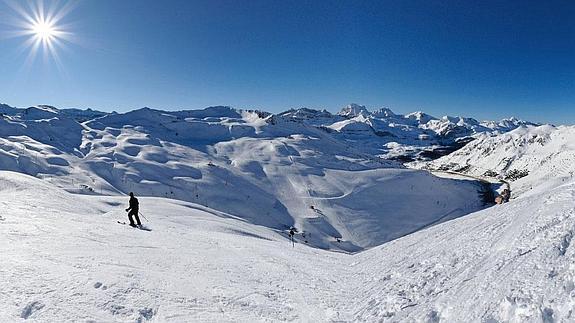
x=486, y=59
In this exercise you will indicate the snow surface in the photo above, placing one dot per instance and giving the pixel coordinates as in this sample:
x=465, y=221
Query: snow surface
x=64, y=258
x=220, y=187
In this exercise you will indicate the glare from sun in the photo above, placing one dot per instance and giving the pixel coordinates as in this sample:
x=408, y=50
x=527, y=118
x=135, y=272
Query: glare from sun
x=41, y=22
x=44, y=31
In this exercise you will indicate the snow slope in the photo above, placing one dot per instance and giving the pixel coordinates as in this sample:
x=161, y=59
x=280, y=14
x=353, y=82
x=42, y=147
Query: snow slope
x=269, y=171
x=509, y=263
x=527, y=156
x=64, y=258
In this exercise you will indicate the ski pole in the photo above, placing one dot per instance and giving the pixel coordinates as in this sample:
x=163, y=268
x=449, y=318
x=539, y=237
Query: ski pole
x=143, y=216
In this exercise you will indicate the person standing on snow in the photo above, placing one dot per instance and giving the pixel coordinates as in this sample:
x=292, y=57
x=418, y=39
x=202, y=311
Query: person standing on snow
x=133, y=210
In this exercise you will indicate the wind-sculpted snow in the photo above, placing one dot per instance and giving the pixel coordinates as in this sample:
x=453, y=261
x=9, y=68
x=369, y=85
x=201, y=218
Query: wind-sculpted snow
x=45, y=126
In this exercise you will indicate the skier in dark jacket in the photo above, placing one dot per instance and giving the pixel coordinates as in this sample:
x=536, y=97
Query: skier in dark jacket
x=133, y=210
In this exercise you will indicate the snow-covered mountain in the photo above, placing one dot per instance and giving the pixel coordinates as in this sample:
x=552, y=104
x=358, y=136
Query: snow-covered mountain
x=415, y=136
x=218, y=188
x=529, y=156
x=305, y=168
x=272, y=170
x=353, y=110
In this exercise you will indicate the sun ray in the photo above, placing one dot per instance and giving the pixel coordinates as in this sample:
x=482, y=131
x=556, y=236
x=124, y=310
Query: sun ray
x=33, y=51
x=15, y=6
x=59, y=14
x=41, y=23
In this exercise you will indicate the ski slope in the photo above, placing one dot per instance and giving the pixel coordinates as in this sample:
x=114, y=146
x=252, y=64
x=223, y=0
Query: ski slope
x=65, y=258
x=509, y=263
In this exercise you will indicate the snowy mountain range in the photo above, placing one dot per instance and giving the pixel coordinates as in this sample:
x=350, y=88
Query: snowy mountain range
x=219, y=189
x=527, y=156
x=271, y=170
x=414, y=136
x=385, y=122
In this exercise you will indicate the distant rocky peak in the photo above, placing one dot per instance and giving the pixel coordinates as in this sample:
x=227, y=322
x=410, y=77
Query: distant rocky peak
x=353, y=110
x=45, y=107
x=420, y=116
x=384, y=113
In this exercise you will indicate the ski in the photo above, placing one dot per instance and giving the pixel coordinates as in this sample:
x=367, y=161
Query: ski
x=141, y=227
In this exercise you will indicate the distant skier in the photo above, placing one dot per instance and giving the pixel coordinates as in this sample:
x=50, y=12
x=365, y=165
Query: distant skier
x=133, y=210
x=291, y=233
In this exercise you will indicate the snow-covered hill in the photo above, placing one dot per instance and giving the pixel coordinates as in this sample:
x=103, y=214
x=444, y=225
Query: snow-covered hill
x=509, y=263
x=527, y=156
x=273, y=171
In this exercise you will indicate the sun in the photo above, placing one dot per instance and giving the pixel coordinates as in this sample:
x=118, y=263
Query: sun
x=41, y=22
x=44, y=31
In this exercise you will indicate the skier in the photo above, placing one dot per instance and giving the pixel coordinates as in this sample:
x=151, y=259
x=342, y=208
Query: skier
x=133, y=210
x=291, y=233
